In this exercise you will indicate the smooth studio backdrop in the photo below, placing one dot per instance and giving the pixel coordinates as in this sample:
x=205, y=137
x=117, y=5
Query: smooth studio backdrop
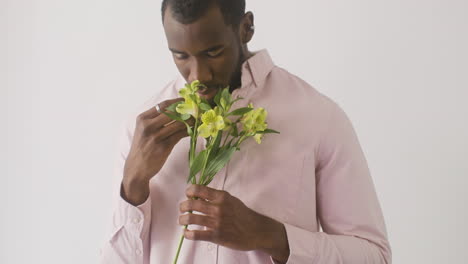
x=71, y=71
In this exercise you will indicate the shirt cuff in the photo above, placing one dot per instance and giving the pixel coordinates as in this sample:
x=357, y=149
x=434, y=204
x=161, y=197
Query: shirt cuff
x=302, y=245
x=135, y=219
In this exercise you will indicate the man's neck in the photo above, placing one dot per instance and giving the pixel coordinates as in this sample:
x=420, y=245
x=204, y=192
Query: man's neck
x=236, y=84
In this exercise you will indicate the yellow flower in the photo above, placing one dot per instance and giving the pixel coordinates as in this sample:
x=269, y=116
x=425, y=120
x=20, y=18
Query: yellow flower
x=188, y=107
x=189, y=89
x=258, y=138
x=192, y=100
x=227, y=122
x=254, y=120
x=212, y=123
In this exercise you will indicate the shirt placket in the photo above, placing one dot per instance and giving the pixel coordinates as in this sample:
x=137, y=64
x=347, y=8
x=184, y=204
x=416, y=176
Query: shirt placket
x=213, y=249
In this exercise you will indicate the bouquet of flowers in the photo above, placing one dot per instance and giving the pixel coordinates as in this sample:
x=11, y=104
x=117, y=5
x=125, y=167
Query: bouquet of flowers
x=223, y=135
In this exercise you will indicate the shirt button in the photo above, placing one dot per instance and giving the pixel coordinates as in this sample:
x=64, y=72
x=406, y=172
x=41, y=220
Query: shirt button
x=138, y=252
x=136, y=220
x=210, y=247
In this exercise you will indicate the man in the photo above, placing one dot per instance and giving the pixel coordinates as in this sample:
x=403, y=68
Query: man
x=268, y=204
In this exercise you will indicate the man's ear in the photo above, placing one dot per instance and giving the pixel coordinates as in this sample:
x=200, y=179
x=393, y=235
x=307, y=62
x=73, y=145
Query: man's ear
x=246, y=28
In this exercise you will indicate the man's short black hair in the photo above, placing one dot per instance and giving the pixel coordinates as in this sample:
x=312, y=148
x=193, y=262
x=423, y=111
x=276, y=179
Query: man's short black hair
x=188, y=11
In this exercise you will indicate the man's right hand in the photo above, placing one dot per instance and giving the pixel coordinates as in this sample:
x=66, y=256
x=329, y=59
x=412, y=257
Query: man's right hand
x=152, y=143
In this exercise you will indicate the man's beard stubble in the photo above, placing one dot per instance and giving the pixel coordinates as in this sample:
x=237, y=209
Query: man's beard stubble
x=237, y=75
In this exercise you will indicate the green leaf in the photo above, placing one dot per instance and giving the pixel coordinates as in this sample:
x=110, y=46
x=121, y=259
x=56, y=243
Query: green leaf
x=226, y=96
x=268, y=131
x=224, y=104
x=238, y=99
x=194, y=98
x=189, y=130
x=185, y=116
x=205, y=107
x=198, y=84
x=230, y=142
x=208, y=140
x=197, y=164
x=240, y=111
x=173, y=116
x=203, y=100
x=215, y=147
x=235, y=131
x=218, y=163
x=173, y=106
x=217, y=97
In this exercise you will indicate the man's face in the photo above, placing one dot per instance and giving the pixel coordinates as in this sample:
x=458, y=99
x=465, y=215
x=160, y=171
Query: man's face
x=207, y=50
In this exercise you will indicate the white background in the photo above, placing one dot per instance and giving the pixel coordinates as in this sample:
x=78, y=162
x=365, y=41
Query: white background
x=72, y=70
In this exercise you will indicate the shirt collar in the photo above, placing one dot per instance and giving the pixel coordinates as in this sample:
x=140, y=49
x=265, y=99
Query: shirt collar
x=256, y=68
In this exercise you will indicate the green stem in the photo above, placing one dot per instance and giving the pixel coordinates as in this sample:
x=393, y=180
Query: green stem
x=227, y=135
x=180, y=245
x=234, y=124
x=229, y=132
x=209, y=148
x=190, y=152
x=194, y=145
x=192, y=157
x=182, y=238
x=202, y=175
x=239, y=141
x=195, y=136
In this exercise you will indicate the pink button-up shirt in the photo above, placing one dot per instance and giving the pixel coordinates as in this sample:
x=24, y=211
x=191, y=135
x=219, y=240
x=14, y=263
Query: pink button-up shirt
x=314, y=174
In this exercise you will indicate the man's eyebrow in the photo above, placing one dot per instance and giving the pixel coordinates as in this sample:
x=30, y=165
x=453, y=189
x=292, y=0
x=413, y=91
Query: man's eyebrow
x=216, y=47
x=175, y=51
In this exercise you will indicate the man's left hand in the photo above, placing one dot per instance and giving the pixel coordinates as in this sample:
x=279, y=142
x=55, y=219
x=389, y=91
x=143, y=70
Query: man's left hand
x=230, y=223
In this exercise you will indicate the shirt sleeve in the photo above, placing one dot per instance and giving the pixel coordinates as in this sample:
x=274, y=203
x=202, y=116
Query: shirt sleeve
x=128, y=238
x=348, y=209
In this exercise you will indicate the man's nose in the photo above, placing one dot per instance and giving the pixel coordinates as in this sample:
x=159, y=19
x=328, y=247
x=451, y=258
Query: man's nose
x=201, y=72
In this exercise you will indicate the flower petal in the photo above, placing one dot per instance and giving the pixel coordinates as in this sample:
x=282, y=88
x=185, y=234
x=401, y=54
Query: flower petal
x=204, y=130
x=258, y=138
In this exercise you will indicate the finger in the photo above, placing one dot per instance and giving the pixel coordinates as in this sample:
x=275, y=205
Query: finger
x=165, y=132
x=161, y=121
x=190, y=121
x=174, y=138
x=197, y=219
x=150, y=113
x=203, y=235
x=206, y=193
x=153, y=113
x=197, y=205
x=170, y=123
x=165, y=104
